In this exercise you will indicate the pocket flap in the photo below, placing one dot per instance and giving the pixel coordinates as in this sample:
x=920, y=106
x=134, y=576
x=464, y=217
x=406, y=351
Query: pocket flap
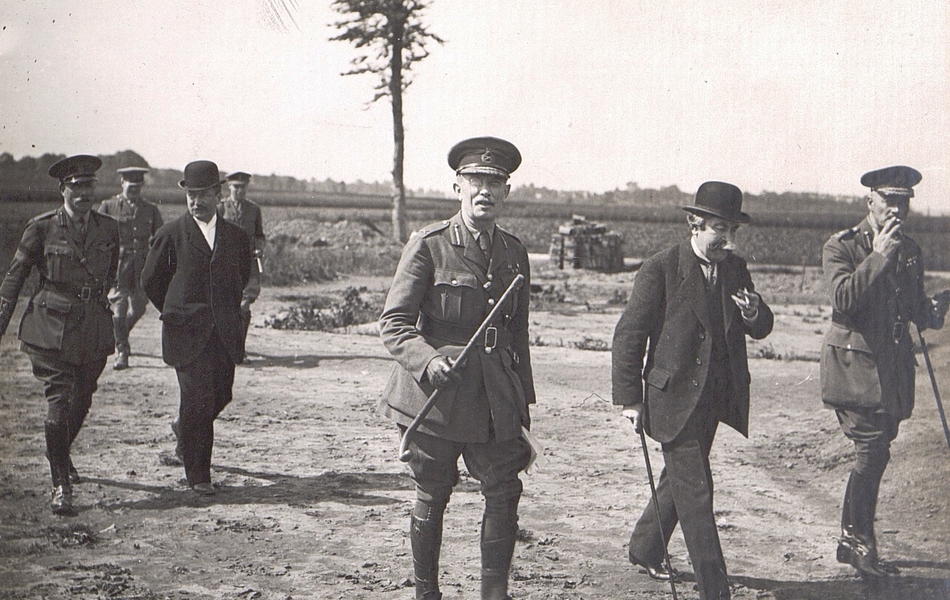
x=840, y=337
x=455, y=278
x=658, y=378
x=53, y=301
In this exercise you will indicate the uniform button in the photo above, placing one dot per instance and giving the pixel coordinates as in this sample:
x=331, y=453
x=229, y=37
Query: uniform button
x=455, y=282
x=695, y=383
x=699, y=361
x=702, y=336
x=491, y=302
x=489, y=277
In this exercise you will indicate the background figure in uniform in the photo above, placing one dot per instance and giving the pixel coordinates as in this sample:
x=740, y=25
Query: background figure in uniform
x=449, y=277
x=876, y=276
x=67, y=327
x=138, y=221
x=691, y=307
x=196, y=269
x=247, y=215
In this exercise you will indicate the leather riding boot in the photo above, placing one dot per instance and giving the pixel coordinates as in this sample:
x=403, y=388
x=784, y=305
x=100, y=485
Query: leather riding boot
x=57, y=452
x=499, y=530
x=425, y=536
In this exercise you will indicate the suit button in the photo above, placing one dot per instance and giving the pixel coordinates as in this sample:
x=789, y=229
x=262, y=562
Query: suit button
x=695, y=383
x=699, y=361
x=702, y=335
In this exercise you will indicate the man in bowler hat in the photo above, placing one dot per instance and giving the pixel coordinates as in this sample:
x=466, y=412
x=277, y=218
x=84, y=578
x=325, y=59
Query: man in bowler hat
x=450, y=276
x=246, y=215
x=195, y=273
x=691, y=307
x=66, y=329
x=876, y=276
x=138, y=220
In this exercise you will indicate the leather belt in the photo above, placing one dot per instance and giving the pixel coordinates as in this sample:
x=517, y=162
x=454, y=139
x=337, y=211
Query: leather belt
x=494, y=337
x=84, y=294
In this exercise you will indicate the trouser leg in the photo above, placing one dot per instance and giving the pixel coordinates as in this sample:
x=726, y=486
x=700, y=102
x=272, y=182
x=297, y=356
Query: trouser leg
x=206, y=388
x=647, y=544
x=138, y=303
x=496, y=466
x=120, y=319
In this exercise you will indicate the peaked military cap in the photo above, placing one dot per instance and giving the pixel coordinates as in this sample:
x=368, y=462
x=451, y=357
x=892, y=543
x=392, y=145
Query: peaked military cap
x=239, y=177
x=132, y=174
x=200, y=175
x=76, y=169
x=892, y=181
x=489, y=155
x=718, y=199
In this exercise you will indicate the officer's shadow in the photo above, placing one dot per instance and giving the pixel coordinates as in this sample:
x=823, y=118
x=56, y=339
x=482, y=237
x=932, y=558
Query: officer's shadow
x=346, y=488
x=303, y=361
x=904, y=586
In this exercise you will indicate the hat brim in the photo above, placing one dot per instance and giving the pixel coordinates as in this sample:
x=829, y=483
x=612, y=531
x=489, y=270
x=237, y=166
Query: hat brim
x=482, y=170
x=705, y=212
x=182, y=185
x=80, y=179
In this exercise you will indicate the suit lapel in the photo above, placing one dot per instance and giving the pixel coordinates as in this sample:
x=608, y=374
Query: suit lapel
x=194, y=235
x=728, y=284
x=692, y=282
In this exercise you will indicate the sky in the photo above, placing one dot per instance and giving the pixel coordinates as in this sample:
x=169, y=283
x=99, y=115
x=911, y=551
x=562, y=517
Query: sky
x=772, y=95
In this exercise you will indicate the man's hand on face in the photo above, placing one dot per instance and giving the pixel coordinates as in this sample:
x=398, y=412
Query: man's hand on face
x=888, y=239
x=440, y=373
x=634, y=412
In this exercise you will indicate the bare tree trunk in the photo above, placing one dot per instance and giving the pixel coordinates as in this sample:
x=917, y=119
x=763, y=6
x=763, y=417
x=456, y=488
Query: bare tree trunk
x=395, y=89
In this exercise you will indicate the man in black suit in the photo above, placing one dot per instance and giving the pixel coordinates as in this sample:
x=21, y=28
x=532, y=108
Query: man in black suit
x=692, y=306
x=195, y=273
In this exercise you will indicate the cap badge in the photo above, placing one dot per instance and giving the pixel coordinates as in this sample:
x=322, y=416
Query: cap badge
x=488, y=157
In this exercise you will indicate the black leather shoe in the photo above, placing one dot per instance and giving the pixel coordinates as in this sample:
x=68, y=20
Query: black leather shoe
x=203, y=489
x=61, y=500
x=657, y=572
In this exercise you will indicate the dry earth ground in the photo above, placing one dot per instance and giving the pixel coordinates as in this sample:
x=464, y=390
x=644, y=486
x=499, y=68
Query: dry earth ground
x=313, y=503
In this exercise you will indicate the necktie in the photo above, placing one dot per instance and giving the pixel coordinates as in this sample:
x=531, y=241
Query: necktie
x=81, y=226
x=709, y=269
x=484, y=242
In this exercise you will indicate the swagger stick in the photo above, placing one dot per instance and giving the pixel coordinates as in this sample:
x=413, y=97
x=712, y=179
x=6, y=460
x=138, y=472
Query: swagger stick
x=656, y=505
x=404, y=453
x=933, y=382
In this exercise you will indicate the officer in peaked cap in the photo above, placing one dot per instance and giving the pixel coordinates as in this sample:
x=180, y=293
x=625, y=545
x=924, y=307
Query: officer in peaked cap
x=450, y=276
x=875, y=274
x=66, y=329
x=138, y=220
x=247, y=215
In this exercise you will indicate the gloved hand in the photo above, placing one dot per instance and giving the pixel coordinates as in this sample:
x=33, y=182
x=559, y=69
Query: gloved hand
x=440, y=373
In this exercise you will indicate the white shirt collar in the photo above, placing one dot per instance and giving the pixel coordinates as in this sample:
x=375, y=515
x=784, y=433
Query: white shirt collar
x=208, y=229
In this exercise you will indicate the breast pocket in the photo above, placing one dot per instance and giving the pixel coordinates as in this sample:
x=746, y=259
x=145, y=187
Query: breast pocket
x=455, y=291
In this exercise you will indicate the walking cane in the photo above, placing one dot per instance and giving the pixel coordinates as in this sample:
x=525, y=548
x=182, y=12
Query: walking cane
x=933, y=382
x=404, y=453
x=656, y=506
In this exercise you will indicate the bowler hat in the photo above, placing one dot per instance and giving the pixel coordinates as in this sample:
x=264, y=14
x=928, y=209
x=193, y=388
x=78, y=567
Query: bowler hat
x=239, y=177
x=76, y=169
x=200, y=175
x=718, y=199
x=487, y=155
x=132, y=174
x=892, y=181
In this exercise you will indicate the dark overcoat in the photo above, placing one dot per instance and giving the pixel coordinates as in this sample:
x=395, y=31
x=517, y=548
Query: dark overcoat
x=442, y=291
x=197, y=291
x=867, y=359
x=138, y=222
x=667, y=323
x=68, y=315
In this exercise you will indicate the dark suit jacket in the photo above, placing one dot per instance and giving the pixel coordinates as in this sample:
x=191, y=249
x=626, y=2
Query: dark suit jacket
x=198, y=292
x=861, y=365
x=442, y=290
x=667, y=322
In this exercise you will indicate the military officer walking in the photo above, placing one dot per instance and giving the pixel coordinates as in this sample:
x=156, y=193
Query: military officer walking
x=247, y=215
x=450, y=276
x=66, y=329
x=876, y=277
x=138, y=221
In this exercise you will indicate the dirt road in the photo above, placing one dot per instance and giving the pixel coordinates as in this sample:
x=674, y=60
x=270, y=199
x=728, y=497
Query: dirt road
x=313, y=503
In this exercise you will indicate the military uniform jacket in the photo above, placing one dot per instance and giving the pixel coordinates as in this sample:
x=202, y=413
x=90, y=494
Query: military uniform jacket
x=667, y=322
x=137, y=224
x=247, y=216
x=197, y=291
x=443, y=289
x=68, y=315
x=867, y=359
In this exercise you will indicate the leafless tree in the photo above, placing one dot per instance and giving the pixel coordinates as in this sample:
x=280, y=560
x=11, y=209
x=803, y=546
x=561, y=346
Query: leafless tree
x=390, y=37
